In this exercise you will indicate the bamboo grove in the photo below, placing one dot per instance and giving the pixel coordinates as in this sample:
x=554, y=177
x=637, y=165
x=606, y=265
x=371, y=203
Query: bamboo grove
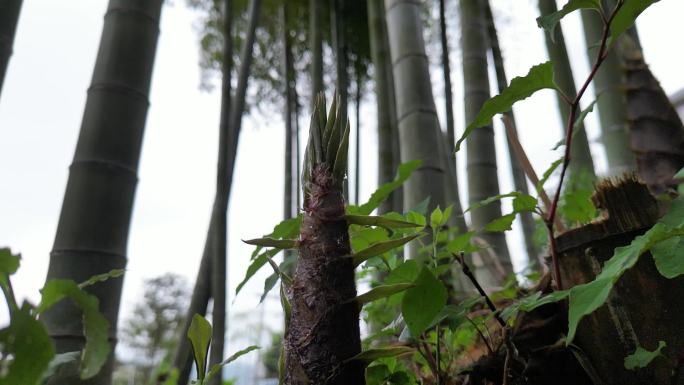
x=416, y=284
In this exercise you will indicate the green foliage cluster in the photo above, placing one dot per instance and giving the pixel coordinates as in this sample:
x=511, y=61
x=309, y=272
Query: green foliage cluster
x=27, y=355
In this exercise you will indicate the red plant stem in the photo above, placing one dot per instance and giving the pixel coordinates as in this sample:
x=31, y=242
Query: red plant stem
x=574, y=106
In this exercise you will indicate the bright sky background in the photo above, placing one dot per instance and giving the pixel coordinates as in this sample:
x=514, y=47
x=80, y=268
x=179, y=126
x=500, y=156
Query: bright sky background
x=42, y=103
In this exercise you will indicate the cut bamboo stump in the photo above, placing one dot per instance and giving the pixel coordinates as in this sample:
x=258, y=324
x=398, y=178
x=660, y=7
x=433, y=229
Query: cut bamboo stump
x=644, y=307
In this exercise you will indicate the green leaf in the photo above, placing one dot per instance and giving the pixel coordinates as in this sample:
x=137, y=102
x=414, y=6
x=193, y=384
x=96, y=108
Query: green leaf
x=382, y=291
x=524, y=202
x=550, y=21
x=577, y=205
x=95, y=325
x=199, y=334
x=62, y=363
x=679, y=174
x=436, y=218
x=668, y=257
x=490, y=200
x=461, y=243
x=380, y=195
x=116, y=273
x=407, y=272
x=382, y=247
x=340, y=168
x=548, y=172
x=272, y=242
x=370, y=220
x=423, y=302
x=503, y=223
x=28, y=342
x=269, y=284
x=538, y=78
x=627, y=15
x=9, y=263
x=371, y=355
x=642, y=357
x=256, y=264
x=216, y=368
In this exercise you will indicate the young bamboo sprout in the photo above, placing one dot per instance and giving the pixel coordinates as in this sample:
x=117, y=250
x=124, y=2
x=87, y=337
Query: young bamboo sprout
x=323, y=329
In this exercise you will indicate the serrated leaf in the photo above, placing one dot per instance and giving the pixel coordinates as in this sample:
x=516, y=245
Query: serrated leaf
x=27, y=340
x=577, y=205
x=216, y=368
x=503, y=223
x=371, y=355
x=550, y=21
x=382, y=291
x=382, y=247
x=116, y=273
x=523, y=203
x=272, y=242
x=95, y=325
x=642, y=357
x=538, y=78
x=423, y=302
x=668, y=257
x=370, y=220
x=199, y=334
x=404, y=171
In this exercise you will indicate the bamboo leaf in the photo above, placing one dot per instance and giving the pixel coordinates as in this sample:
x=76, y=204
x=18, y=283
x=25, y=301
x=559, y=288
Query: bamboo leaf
x=382, y=247
x=272, y=242
x=371, y=355
x=330, y=139
x=538, y=78
x=382, y=291
x=370, y=220
x=550, y=21
x=642, y=357
x=216, y=368
x=95, y=325
x=199, y=334
x=256, y=265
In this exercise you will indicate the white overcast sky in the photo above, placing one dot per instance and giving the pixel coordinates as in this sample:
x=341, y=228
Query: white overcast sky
x=42, y=103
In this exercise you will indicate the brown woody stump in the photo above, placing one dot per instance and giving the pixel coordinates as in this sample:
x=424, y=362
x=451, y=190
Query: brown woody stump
x=644, y=307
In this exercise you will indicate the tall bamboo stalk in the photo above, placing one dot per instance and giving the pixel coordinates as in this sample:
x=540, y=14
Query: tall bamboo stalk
x=446, y=73
x=288, y=74
x=481, y=153
x=200, y=297
x=92, y=233
x=9, y=18
x=388, y=156
x=612, y=105
x=519, y=178
x=582, y=160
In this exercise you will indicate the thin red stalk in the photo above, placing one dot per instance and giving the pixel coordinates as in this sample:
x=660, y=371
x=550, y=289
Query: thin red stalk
x=574, y=106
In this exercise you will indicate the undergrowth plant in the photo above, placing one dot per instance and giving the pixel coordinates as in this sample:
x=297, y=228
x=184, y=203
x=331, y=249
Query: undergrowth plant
x=425, y=330
x=27, y=354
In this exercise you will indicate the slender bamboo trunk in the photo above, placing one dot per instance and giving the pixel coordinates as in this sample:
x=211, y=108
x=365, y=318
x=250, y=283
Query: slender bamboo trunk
x=519, y=179
x=288, y=73
x=481, y=153
x=323, y=330
x=9, y=18
x=93, y=227
x=582, y=160
x=446, y=72
x=219, y=260
x=236, y=109
x=357, y=151
x=612, y=105
x=316, y=47
x=388, y=157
